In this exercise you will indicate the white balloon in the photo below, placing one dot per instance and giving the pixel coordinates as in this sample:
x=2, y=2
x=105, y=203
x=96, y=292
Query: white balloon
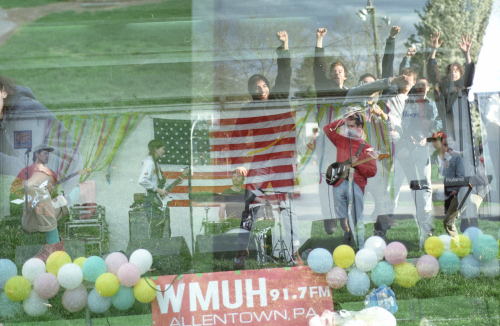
x=377, y=244
x=446, y=239
x=142, y=259
x=70, y=276
x=35, y=306
x=366, y=259
x=32, y=268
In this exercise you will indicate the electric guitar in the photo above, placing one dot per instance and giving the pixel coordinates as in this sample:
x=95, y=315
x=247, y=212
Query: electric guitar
x=162, y=201
x=339, y=171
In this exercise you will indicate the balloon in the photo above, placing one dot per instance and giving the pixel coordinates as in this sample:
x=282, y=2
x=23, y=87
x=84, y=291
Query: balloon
x=336, y=278
x=129, y=274
x=469, y=267
x=375, y=316
x=46, y=286
x=343, y=256
x=376, y=244
x=473, y=232
x=395, y=253
x=56, y=260
x=8, y=309
x=383, y=273
x=490, y=268
x=17, y=288
x=434, y=246
x=145, y=290
x=80, y=261
x=460, y=245
x=98, y=304
x=142, y=259
x=93, y=267
x=35, y=306
x=107, y=285
x=75, y=300
x=320, y=260
x=449, y=263
x=366, y=259
x=358, y=282
x=406, y=275
x=485, y=248
x=427, y=266
x=124, y=299
x=446, y=239
x=70, y=276
x=32, y=268
x=7, y=270
x=114, y=261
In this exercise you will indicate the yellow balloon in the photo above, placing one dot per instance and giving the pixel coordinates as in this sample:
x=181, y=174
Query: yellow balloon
x=406, y=275
x=145, y=290
x=17, y=288
x=343, y=256
x=434, y=246
x=461, y=245
x=79, y=261
x=56, y=260
x=107, y=285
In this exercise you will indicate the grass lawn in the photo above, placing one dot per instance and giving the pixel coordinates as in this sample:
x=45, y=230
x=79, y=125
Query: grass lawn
x=133, y=55
x=6, y=4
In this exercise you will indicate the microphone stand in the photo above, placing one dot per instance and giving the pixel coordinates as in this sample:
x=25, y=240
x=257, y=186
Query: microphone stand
x=26, y=174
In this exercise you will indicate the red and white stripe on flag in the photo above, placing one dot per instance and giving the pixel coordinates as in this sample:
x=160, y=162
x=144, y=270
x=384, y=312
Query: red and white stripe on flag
x=262, y=141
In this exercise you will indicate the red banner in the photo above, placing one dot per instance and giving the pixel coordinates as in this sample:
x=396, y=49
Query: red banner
x=267, y=297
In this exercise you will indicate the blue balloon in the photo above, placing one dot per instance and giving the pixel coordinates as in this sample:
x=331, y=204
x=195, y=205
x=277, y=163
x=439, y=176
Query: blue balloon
x=124, y=299
x=9, y=309
x=470, y=267
x=449, y=263
x=98, y=304
x=320, y=260
x=7, y=270
x=93, y=267
x=383, y=274
x=473, y=232
x=358, y=282
x=485, y=248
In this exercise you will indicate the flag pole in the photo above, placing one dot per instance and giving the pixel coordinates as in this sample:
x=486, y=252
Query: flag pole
x=190, y=184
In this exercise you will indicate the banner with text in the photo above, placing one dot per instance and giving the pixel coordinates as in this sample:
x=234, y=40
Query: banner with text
x=278, y=296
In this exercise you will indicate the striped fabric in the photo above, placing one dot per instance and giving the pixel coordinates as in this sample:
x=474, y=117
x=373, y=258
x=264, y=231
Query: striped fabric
x=262, y=141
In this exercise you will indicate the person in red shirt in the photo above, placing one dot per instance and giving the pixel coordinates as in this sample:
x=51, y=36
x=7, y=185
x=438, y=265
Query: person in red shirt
x=348, y=137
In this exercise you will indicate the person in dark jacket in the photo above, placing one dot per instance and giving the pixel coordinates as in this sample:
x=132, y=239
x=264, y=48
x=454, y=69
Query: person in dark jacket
x=451, y=87
x=259, y=86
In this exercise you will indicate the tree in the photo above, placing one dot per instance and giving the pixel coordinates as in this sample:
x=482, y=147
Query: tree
x=453, y=18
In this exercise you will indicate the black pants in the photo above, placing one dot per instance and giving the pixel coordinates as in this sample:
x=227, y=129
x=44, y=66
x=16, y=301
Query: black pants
x=158, y=220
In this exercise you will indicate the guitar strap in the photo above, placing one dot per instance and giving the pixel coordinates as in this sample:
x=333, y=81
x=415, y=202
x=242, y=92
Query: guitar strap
x=360, y=149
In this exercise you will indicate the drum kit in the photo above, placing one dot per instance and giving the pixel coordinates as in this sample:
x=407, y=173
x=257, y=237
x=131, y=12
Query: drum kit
x=263, y=221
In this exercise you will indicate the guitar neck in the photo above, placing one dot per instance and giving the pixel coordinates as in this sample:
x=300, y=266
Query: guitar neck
x=66, y=178
x=173, y=184
x=363, y=161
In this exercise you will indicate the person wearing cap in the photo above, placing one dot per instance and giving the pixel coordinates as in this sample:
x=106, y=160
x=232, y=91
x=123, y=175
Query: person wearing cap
x=450, y=165
x=39, y=213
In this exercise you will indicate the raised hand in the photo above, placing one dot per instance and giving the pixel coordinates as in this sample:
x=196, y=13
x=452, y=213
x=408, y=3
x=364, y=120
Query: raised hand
x=321, y=32
x=283, y=37
x=394, y=31
x=411, y=51
x=465, y=43
x=436, y=42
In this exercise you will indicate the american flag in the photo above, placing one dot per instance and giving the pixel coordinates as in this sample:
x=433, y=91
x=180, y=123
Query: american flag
x=261, y=140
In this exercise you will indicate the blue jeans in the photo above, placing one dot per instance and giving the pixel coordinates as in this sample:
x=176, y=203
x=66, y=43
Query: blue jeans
x=342, y=197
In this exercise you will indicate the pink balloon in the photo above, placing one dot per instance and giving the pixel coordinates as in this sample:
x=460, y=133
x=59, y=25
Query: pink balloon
x=46, y=285
x=114, y=261
x=427, y=266
x=336, y=278
x=129, y=274
x=395, y=253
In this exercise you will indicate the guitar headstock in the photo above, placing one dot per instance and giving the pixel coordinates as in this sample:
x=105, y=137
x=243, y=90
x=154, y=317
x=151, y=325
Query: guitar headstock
x=85, y=171
x=184, y=172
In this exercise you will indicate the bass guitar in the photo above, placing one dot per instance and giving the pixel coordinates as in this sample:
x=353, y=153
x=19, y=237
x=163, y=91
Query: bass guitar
x=339, y=171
